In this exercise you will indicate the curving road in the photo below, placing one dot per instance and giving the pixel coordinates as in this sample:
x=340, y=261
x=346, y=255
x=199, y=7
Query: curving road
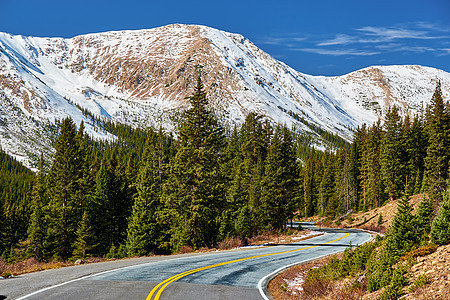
x=234, y=274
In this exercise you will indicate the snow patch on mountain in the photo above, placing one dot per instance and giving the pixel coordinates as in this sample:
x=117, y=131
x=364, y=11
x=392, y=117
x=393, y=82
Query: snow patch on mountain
x=142, y=77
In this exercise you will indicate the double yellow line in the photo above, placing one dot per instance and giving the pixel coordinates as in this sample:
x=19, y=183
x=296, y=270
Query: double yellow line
x=162, y=285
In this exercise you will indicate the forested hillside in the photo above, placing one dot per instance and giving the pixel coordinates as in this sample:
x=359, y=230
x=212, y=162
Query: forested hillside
x=150, y=191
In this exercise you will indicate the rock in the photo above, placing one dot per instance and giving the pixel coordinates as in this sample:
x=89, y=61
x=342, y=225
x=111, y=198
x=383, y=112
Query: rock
x=361, y=278
x=417, y=266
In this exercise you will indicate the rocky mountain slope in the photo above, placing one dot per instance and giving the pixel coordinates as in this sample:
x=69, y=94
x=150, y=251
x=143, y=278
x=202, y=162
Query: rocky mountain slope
x=142, y=77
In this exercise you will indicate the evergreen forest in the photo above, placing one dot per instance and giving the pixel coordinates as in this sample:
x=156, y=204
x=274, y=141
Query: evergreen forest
x=150, y=191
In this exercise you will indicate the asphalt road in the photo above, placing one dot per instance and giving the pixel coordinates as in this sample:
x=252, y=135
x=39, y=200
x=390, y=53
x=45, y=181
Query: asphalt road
x=234, y=274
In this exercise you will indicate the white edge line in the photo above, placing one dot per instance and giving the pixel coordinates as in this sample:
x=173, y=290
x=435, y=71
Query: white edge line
x=263, y=282
x=104, y=272
x=76, y=279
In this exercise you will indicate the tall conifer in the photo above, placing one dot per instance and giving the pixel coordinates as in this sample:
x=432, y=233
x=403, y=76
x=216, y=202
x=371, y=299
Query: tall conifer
x=64, y=179
x=278, y=183
x=438, y=151
x=36, y=230
x=393, y=160
x=194, y=194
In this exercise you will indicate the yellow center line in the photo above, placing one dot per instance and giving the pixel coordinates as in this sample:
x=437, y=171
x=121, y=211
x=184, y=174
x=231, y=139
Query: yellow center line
x=162, y=285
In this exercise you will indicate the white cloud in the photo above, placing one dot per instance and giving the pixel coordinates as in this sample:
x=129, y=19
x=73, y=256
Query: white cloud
x=408, y=38
x=444, y=51
x=338, y=52
x=282, y=40
x=389, y=34
x=340, y=39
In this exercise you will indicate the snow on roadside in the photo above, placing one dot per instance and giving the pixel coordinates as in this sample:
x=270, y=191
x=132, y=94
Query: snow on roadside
x=308, y=234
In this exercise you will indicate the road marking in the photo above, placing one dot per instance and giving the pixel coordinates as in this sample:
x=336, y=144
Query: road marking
x=158, y=289
x=265, y=280
x=77, y=279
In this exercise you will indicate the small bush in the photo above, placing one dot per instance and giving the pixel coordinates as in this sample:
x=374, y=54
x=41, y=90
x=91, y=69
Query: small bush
x=185, y=249
x=422, y=251
x=394, y=289
x=230, y=243
x=6, y=274
x=115, y=252
x=316, y=287
x=379, y=270
x=350, y=219
x=420, y=282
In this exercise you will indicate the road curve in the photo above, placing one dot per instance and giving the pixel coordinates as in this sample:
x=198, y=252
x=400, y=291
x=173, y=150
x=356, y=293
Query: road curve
x=235, y=274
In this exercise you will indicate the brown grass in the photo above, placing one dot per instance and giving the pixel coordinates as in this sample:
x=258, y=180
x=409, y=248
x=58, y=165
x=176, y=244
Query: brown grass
x=314, y=288
x=372, y=227
x=185, y=249
x=30, y=265
x=279, y=290
x=231, y=243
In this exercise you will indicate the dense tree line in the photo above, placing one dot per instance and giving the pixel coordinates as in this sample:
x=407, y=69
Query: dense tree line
x=149, y=192
x=15, y=188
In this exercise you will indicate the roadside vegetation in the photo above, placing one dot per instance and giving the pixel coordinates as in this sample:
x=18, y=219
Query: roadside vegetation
x=376, y=270
x=380, y=269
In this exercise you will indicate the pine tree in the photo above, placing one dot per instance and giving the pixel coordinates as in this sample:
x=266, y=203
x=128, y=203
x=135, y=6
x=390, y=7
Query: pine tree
x=194, y=193
x=440, y=229
x=36, y=231
x=244, y=224
x=345, y=182
x=355, y=164
x=393, y=160
x=328, y=196
x=416, y=149
x=100, y=209
x=85, y=241
x=370, y=173
x=254, y=148
x=309, y=185
x=278, y=183
x=438, y=151
x=65, y=203
x=423, y=218
x=403, y=234
x=145, y=232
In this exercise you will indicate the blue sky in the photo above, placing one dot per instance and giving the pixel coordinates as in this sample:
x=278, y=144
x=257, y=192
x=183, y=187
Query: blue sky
x=315, y=37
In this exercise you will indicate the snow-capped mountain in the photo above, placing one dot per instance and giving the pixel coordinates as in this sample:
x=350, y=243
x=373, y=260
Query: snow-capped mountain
x=142, y=77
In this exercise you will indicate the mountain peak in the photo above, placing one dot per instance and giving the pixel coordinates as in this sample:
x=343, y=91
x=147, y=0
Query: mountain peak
x=141, y=77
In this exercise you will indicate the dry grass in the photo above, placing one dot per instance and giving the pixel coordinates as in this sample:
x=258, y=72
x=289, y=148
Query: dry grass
x=267, y=237
x=312, y=289
x=231, y=243
x=30, y=265
x=279, y=289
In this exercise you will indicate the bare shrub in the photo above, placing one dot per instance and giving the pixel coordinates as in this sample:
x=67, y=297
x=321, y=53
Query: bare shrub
x=317, y=287
x=231, y=243
x=372, y=227
x=185, y=249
